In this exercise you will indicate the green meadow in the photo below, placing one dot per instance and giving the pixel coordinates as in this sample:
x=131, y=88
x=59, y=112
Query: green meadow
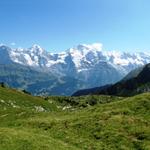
x=73, y=123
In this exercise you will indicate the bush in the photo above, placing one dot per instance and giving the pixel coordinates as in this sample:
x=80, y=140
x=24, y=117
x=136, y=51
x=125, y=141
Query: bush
x=26, y=92
x=92, y=102
x=3, y=84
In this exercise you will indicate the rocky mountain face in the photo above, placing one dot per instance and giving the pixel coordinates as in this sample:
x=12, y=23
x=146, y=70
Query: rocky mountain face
x=136, y=82
x=86, y=64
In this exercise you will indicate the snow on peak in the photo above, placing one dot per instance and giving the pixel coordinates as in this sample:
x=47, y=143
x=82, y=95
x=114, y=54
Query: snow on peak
x=4, y=47
x=36, y=46
x=86, y=62
x=85, y=48
x=36, y=49
x=1, y=44
x=85, y=52
x=94, y=46
x=82, y=57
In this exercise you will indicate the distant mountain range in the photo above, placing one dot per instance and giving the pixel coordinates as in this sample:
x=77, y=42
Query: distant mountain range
x=137, y=81
x=84, y=66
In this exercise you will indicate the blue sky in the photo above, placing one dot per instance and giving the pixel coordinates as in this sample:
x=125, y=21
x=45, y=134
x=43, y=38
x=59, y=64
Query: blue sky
x=61, y=24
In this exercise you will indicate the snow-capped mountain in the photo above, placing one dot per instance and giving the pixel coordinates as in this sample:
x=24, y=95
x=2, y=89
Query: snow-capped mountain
x=88, y=63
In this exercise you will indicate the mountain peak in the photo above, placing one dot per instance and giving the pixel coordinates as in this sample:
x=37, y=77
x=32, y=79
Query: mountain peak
x=37, y=49
x=4, y=47
x=36, y=46
x=84, y=49
x=94, y=46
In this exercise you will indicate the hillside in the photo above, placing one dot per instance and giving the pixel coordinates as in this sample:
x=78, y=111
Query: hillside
x=90, y=91
x=57, y=123
x=37, y=82
x=136, y=82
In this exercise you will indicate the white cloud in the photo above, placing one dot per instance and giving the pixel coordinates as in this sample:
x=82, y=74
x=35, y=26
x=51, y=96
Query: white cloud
x=96, y=46
x=1, y=44
x=13, y=44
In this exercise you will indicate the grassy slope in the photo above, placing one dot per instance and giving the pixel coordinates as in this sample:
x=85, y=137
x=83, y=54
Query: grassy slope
x=24, y=125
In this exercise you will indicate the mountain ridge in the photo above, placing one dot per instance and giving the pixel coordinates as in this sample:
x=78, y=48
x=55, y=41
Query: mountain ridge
x=136, y=82
x=88, y=64
x=83, y=53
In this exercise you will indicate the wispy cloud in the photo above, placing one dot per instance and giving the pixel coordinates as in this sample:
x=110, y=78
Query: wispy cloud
x=1, y=44
x=13, y=44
